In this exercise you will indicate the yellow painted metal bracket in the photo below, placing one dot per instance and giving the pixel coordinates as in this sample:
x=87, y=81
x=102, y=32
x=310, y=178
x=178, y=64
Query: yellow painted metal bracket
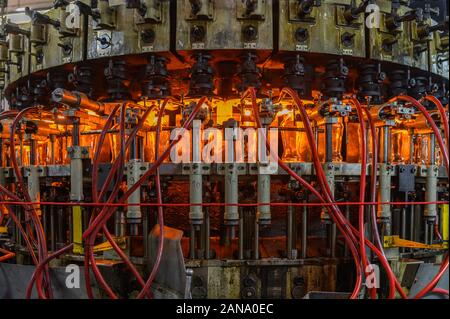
x=396, y=241
x=121, y=242
x=3, y=230
x=445, y=222
x=77, y=226
x=78, y=235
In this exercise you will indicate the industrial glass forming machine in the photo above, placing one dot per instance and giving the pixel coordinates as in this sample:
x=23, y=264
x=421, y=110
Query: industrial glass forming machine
x=225, y=149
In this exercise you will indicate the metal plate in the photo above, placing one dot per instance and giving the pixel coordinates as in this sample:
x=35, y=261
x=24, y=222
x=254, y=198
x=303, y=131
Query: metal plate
x=424, y=275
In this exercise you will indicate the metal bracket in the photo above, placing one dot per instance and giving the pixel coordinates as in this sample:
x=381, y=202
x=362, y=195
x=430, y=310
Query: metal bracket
x=396, y=241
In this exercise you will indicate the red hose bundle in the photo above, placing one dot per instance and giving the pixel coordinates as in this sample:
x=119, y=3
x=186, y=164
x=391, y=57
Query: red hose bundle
x=354, y=237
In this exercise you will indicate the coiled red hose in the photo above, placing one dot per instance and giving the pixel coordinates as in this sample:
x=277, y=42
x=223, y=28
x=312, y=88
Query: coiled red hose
x=106, y=213
x=41, y=240
x=160, y=249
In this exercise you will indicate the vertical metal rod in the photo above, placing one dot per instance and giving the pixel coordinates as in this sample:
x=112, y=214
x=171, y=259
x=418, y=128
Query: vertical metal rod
x=329, y=159
x=304, y=231
x=256, y=239
x=145, y=231
x=117, y=223
x=32, y=151
x=70, y=225
x=192, y=243
x=333, y=240
x=386, y=144
x=417, y=222
x=52, y=228
x=432, y=149
x=431, y=233
x=411, y=147
x=20, y=150
x=426, y=232
x=289, y=238
x=61, y=225
x=44, y=212
x=411, y=224
x=52, y=149
x=329, y=142
x=207, y=234
x=201, y=240
x=403, y=225
x=347, y=216
x=241, y=233
x=18, y=212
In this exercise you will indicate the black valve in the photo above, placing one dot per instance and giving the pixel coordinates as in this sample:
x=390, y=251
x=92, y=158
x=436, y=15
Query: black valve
x=66, y=47
x=250, y=33
x=138, y=5
x=388, y=43
x=424, y=30
x=104, y=40
x=87, y=10
x=60, y=3
x=196, y=6
x=39, y=18
x=354, y=11
x=347, y=39
x=202, y=76
x=301, y=34
x=132, y=4
x=197, y=33
x=11, y=28
x=394, y=21
x=250, y=6
x=305, y=6
x=148, y=36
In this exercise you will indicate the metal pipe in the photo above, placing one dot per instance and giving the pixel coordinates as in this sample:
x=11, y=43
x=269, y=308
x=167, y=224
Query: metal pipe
x=32, y=151
x=333, y=240
x=61, y=226
x=403, y=224
x=290, y=213
x=195, y=195
x=192, y=243
x=263, y=194
x=256, y=239
x=411, y=147
x=134, y=214
x=432, y=149
x=145, y=231
x=386, y=143
x=329, y=140
x=304, y=231
x=77, y=100
x=52, y=148
x=263, y=183
x=347, y=216
x=231, y=215
x=241, y=233
x=52, y=228
x=207, y=233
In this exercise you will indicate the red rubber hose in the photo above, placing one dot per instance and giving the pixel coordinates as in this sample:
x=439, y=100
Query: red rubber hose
x=7, y=254
x=349, y=241
x=432, y=284
x=441, y=110
x=160, y=249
